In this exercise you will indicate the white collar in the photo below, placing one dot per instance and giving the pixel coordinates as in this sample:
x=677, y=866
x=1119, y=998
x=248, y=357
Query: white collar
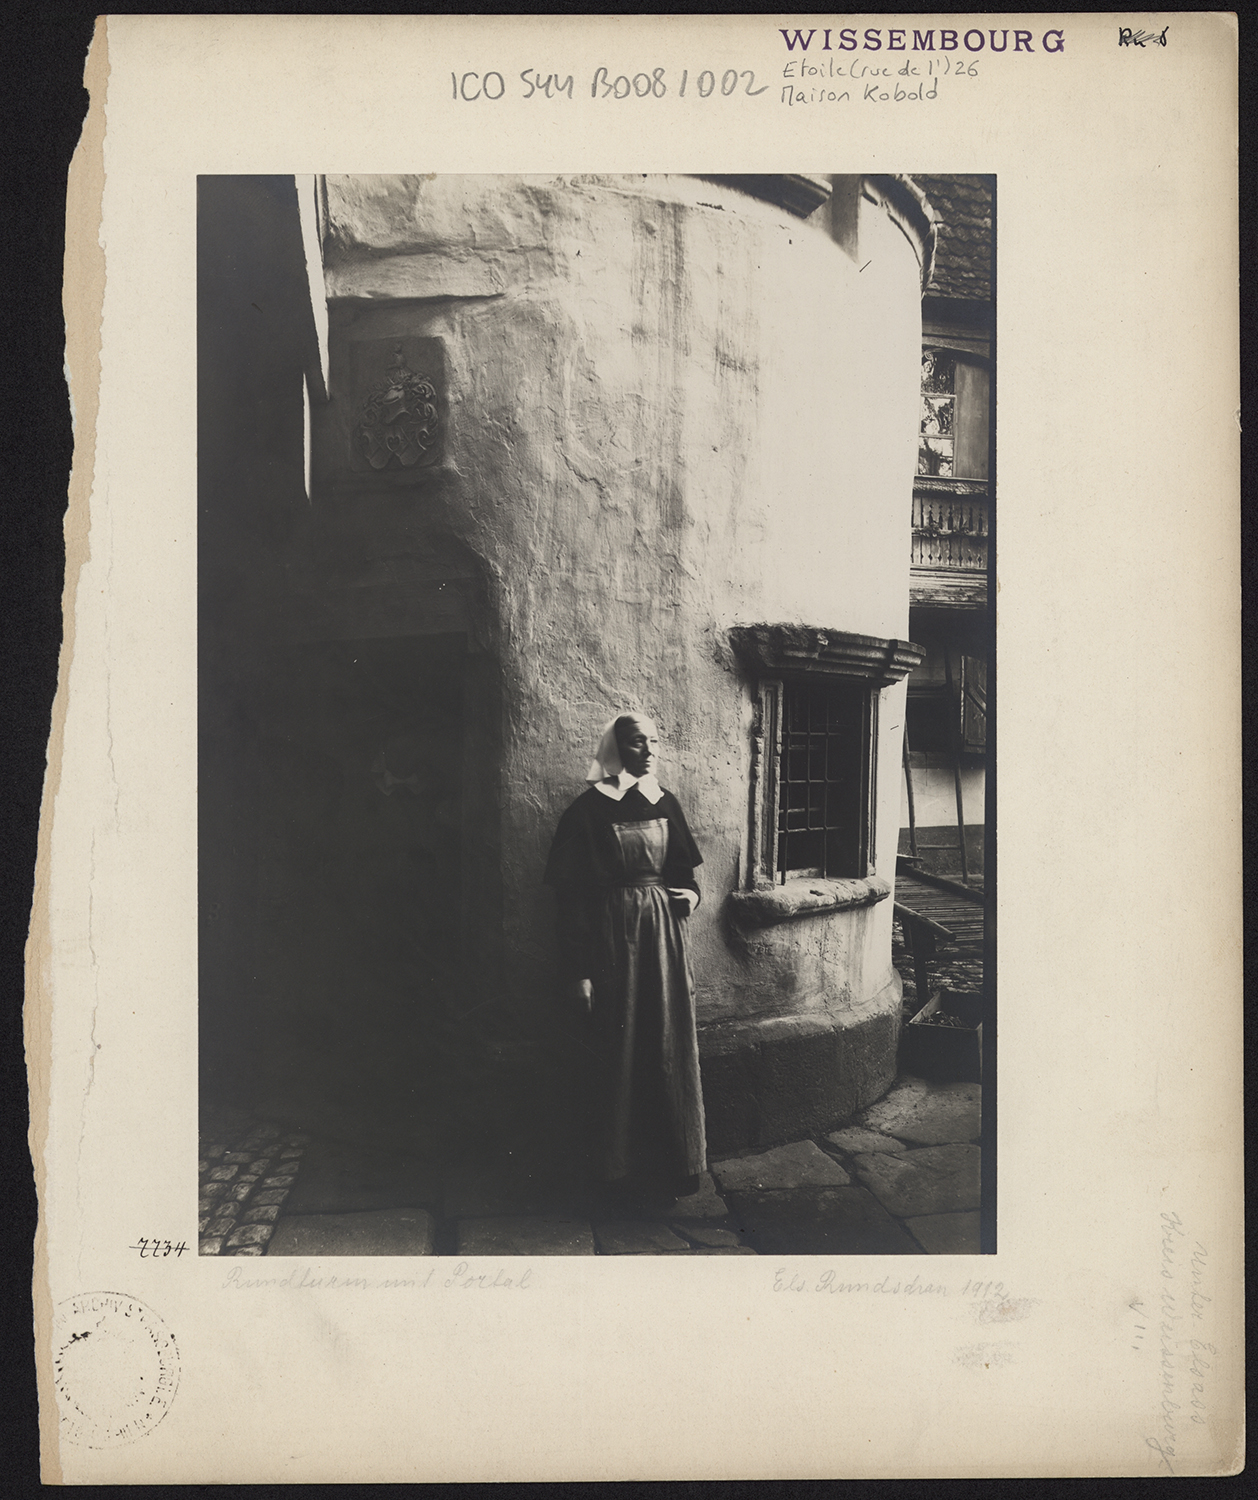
x=615, y=787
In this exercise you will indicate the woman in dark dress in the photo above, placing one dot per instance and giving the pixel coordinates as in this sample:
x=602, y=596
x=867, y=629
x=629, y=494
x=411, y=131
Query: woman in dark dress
x=622, y=866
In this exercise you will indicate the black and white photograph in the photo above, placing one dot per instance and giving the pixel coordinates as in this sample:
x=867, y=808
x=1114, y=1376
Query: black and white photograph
x=594, y=662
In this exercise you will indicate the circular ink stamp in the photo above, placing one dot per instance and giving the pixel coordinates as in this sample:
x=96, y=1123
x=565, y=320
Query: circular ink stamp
x=115, y=1366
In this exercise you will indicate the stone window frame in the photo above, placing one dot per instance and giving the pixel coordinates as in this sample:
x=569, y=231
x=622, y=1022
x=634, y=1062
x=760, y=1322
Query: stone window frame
x=775, y=657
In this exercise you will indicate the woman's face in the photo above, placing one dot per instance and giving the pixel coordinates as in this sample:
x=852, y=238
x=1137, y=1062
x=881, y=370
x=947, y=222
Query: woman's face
x=639, y=742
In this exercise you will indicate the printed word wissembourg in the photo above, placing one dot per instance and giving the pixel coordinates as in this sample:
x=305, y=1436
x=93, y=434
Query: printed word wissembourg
x=832, y=39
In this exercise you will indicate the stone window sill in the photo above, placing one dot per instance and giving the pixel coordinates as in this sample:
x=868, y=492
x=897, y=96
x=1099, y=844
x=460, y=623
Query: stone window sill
x=805, y=898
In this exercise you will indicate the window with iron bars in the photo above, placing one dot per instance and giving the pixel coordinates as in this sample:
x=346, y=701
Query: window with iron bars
x=824, y=823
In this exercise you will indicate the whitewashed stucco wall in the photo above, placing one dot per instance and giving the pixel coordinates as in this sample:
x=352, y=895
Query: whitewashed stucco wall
x=672, y=408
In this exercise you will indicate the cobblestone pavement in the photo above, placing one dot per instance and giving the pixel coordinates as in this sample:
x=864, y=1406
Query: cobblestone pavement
x=245, y=1171
x=901, y=1178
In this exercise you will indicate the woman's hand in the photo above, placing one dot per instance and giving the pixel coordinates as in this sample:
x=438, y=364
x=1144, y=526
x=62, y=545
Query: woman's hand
x=581, y=992
x=683, y=900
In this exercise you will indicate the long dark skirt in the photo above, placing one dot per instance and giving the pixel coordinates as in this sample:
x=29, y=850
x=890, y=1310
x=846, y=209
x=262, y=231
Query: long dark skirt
x=645, y=1070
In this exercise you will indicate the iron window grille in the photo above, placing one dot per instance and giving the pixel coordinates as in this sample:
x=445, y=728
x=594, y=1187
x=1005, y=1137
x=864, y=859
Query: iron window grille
x=824, y=815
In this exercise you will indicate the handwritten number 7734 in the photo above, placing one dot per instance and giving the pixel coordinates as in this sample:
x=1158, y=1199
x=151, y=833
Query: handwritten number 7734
x=153, y=1249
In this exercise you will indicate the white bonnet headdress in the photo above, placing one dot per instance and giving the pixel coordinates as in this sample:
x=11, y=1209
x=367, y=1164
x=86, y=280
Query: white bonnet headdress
x=607, y=761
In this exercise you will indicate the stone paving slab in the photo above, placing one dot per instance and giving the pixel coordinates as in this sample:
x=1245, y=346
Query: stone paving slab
x=698, y=1250
x=344, y=1179
x=705, y=1204
x=397, y=1231
x=511, y=1235
x=820, y=1221
x=719, y=1250
x=483, y=1200
x=934, y=1180
x=625, y=1237
x=248, y=1234
x=710, y=1237
x=854, y=1139
x=928, y=1114
x=802, y=1164
x=946, y=1234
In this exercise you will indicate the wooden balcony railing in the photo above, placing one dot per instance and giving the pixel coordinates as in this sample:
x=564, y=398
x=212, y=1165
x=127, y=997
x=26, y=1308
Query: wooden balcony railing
x=950, y=541
x=950, y=524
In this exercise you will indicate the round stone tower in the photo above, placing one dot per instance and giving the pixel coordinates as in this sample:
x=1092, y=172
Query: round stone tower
x=607, y=442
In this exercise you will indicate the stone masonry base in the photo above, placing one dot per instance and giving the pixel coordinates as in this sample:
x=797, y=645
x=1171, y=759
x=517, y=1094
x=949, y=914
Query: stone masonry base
x=767, y=1081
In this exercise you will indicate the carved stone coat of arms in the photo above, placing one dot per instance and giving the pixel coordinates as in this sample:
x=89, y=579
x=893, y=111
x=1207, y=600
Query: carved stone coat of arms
x=398, y=423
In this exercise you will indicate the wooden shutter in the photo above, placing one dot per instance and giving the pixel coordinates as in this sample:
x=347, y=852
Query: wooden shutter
x=971, y=421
